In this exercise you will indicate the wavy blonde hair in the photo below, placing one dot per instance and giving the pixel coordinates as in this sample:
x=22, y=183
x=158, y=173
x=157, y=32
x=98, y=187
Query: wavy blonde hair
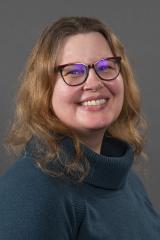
x=34, y=113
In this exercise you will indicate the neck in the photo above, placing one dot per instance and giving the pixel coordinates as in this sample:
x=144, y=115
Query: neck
x=92, y=140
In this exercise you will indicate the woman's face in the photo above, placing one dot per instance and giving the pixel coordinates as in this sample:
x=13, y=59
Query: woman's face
x=70, y=103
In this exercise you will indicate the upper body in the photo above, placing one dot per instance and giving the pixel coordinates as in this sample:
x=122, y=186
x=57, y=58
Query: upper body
x=79, y=100
x=111, y=203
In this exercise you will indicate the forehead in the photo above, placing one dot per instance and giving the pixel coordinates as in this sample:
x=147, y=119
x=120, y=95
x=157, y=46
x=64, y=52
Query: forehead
x=83, y=47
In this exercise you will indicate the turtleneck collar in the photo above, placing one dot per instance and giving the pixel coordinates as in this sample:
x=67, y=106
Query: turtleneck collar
x=110, y=168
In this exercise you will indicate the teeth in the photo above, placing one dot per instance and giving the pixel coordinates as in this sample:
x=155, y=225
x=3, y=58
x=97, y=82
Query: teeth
x=94, y=102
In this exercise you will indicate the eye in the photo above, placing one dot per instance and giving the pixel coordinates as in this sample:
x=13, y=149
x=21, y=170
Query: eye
x=105, y=65
x=74, y=70
x=102, y=65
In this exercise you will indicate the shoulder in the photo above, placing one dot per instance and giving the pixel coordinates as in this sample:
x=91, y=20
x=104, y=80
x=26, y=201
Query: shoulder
x=25, y=178
x=135, y=178
x=31, y=196
x=137, y=184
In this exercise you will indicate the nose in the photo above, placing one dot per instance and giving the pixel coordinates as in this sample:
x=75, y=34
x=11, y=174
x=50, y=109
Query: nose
x=93, y=82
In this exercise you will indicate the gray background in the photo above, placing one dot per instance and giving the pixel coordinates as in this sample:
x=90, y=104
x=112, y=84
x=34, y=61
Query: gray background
x=135, y=22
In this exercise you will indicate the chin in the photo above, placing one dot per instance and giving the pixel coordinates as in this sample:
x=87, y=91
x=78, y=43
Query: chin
x=96, y=127
x=99, y=125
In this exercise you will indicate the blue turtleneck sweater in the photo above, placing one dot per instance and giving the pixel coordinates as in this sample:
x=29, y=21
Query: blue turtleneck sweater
x=110, y=204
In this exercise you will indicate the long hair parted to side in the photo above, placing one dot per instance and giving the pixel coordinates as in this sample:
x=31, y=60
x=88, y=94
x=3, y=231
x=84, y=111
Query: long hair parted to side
x=34, y=113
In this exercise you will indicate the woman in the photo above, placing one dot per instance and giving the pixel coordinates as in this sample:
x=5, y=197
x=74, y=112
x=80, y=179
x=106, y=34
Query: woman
x=78, y=127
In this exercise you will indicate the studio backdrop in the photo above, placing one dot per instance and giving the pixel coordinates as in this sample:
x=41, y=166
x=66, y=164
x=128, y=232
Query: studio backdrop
x=137, y=25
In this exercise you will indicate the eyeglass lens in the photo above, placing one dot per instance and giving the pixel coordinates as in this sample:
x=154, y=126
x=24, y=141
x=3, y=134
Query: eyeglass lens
x=74, y=74
x=106, y=69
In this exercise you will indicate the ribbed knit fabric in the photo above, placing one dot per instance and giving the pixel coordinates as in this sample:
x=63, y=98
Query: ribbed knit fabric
x=110, y=204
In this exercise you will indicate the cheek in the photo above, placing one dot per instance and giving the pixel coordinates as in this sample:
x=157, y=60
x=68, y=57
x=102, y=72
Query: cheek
x=63, y=95
x=116, y=87
x=59, y=103
x=57, y=95
x=58, y=98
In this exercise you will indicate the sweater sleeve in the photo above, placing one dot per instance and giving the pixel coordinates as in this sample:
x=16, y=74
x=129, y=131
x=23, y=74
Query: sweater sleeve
x=34, y=206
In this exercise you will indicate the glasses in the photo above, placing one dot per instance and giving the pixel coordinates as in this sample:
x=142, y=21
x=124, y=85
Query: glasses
x=75, y=74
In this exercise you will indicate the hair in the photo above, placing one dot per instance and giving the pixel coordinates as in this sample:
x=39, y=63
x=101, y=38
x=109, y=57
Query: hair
x=34, y=113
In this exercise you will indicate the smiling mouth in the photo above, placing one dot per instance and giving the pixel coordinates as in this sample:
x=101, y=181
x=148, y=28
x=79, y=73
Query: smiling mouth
x=94, y=102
